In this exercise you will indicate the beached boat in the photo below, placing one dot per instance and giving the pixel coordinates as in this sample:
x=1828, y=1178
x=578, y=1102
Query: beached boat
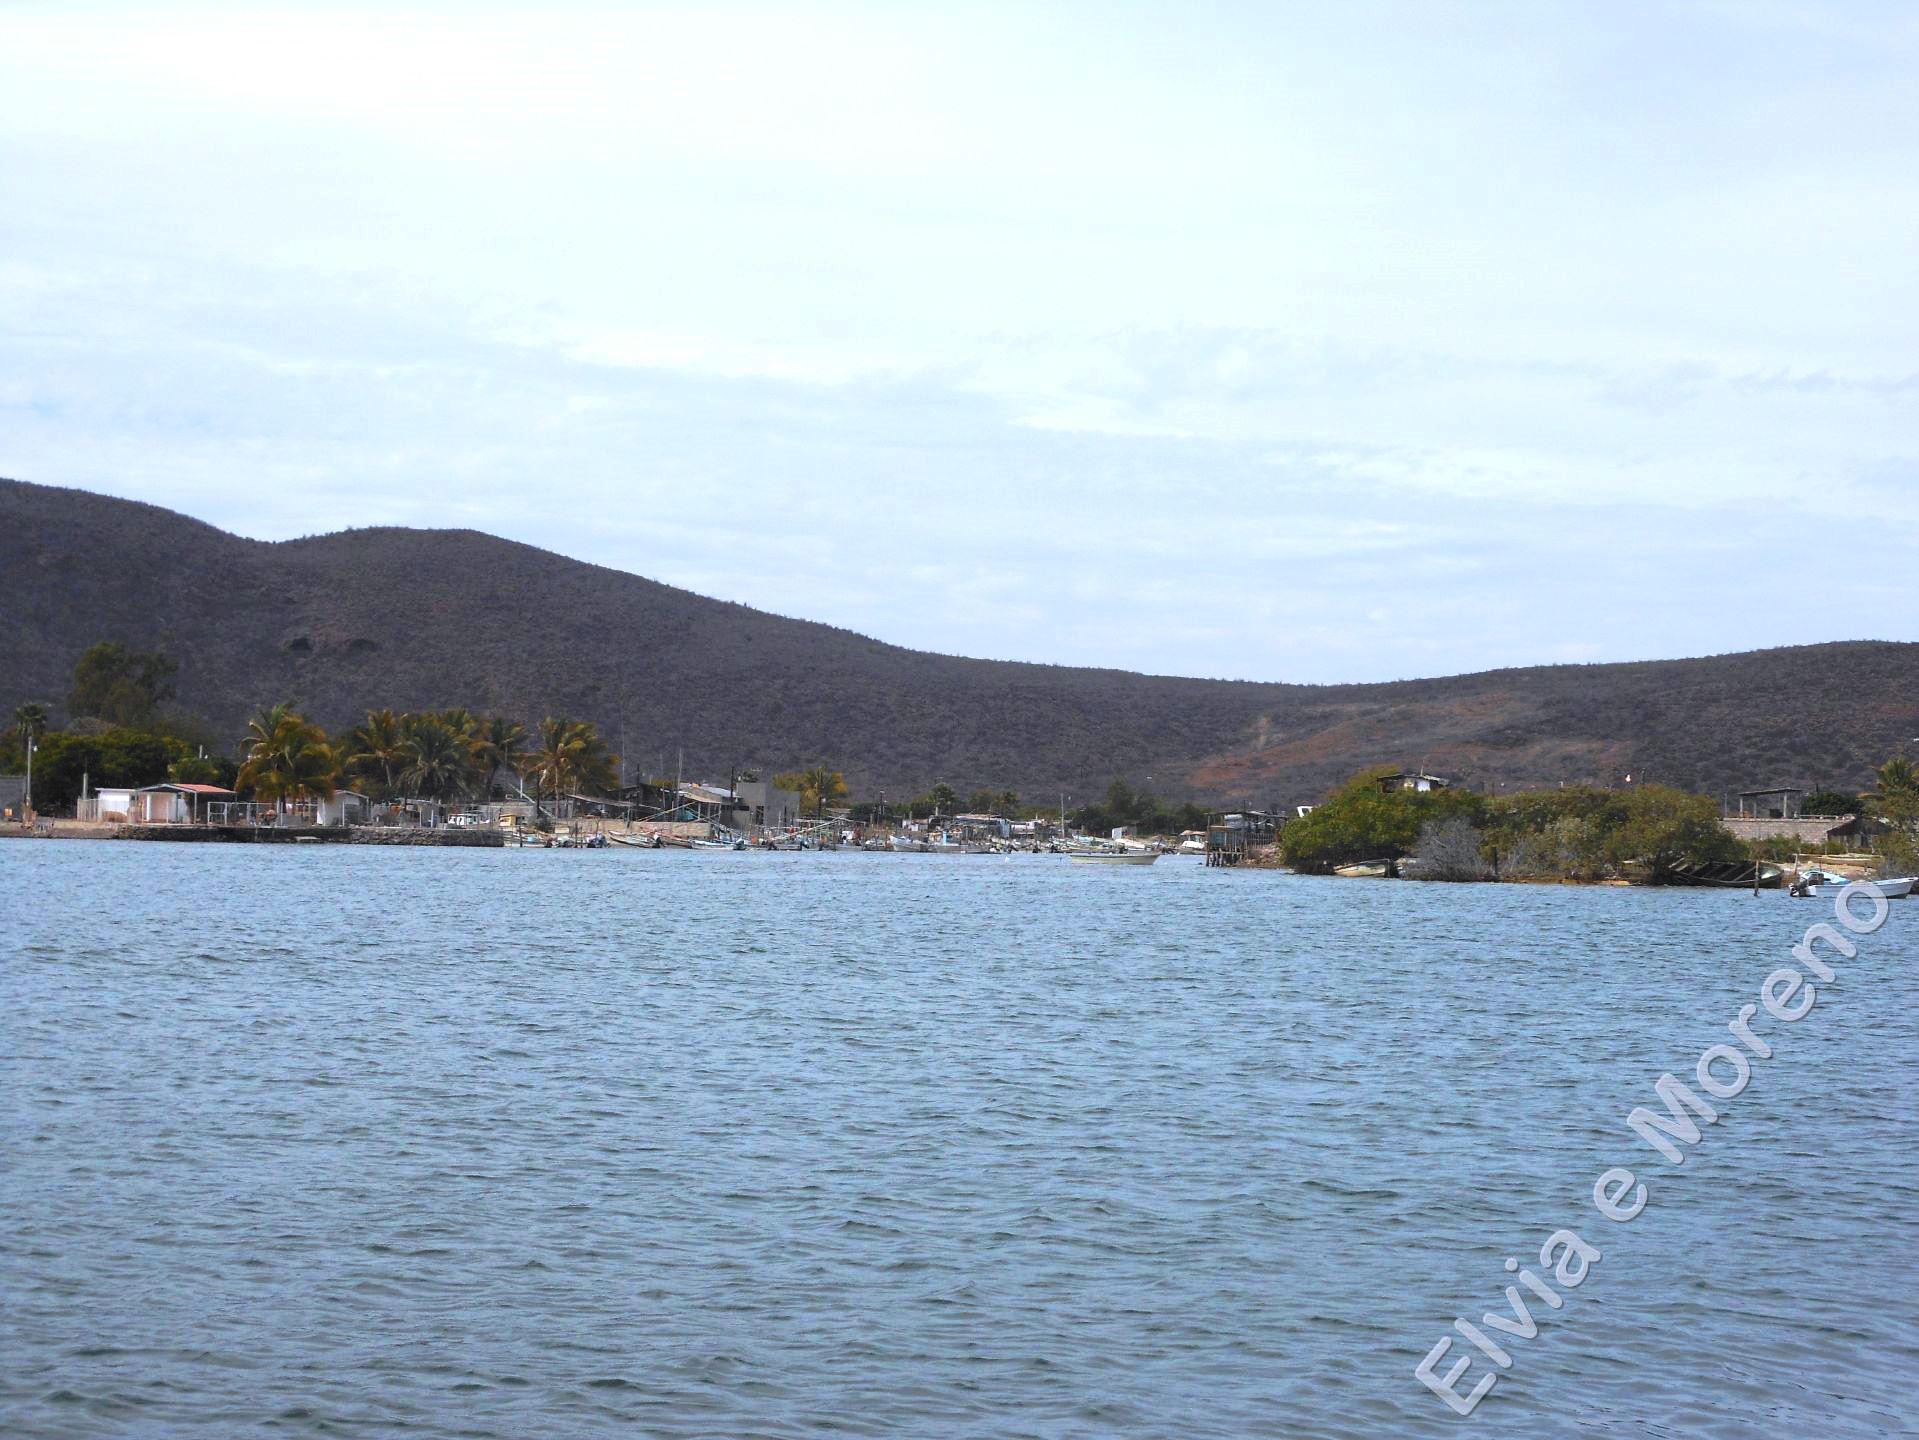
x=1365, y=870
x=1725, y=874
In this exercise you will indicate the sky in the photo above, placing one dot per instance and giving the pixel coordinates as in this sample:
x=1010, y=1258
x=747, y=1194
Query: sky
x=1267, y=341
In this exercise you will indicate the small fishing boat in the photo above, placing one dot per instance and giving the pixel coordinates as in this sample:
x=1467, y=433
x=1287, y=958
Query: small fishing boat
x=1825, y=884
x=1112, y=857
x=1365, y=870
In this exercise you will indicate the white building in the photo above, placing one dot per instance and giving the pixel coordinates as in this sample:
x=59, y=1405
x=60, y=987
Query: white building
x=168, y=804
x=343, y=807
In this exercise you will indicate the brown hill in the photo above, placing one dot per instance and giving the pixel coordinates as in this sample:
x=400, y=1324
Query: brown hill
x=425, y=618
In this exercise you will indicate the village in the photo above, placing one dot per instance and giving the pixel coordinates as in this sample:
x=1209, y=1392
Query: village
x=1761, y=839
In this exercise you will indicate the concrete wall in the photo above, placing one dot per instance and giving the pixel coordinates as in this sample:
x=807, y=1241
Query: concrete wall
x=1812, y=832
x=782, y=807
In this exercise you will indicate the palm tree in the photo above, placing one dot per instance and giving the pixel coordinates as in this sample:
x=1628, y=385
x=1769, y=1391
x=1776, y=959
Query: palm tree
x=569, y=756
x=1009, y=803
x=30, y=720
x=820, y=787
x=288, y=758
x=1898, y=776
x=439, y=759
x=500, y=744
x=376, y=752
x=1898, y=805
x=461, y=721
x=261, y=728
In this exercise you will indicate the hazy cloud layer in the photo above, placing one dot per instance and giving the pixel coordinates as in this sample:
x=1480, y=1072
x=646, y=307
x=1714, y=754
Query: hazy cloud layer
x=1263, y=343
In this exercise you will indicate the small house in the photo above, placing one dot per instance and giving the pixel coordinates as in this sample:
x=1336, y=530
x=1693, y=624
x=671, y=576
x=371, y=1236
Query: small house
x=1412, y=780
x=997, y=827
x=342, y=807
x=169, y=804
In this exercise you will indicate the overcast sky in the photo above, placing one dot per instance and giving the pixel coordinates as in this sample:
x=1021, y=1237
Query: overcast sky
x=1302, y=342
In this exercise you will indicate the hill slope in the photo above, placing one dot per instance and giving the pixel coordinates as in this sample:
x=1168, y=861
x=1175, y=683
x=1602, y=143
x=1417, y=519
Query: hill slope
x=418, y=619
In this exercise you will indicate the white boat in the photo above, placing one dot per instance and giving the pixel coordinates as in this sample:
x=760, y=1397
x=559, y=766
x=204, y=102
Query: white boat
x=1825, y=884
x=1365, y=870
x=1112, y=857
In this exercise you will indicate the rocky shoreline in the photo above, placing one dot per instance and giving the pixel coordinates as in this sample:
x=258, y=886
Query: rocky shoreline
x=475, y=838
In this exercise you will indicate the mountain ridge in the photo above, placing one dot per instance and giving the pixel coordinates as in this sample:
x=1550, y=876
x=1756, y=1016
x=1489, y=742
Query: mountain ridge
x=418, y=618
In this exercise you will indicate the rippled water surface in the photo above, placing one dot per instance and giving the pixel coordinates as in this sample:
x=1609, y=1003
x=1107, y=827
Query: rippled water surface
x=311, y=1140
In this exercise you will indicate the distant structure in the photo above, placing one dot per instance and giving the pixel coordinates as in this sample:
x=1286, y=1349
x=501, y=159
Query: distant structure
x=1412, y=780
x=1781, y=803
x=1230, y=838
x=1776, y=813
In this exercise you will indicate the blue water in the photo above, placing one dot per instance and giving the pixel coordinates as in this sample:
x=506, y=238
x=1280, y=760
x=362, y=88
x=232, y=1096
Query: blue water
x=312, y=1141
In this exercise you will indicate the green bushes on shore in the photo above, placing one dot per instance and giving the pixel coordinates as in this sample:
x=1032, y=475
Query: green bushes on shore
x=1578, y=833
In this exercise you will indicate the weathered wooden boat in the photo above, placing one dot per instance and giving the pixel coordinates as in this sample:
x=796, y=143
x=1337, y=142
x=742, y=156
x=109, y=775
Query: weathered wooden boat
x=1726, y=874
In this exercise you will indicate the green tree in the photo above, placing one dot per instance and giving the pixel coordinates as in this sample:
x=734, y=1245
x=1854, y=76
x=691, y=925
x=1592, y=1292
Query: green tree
x=1664, y=827
x=943, y=798
x=287, y=759
x=119, y=685
x=499, y=745
x=461, y=721
x=1897, y=806
x=438, y=758
x=1360, y=821
x=30, y=721
x=117, y=756
x=817, y=787
x=569, y=756
x=375, y=753
x=1829, y=802
x=1898, y=777
x=822, y=787
x=204, y=770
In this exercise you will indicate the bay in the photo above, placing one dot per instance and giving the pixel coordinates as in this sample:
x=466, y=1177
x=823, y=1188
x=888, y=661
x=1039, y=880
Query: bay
x=318, y=1140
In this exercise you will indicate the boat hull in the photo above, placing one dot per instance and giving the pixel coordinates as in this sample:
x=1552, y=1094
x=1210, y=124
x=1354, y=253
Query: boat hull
x=1892, y=889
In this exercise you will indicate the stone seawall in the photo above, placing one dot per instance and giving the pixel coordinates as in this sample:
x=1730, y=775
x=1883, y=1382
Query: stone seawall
x=475, y=837
x=331, y=835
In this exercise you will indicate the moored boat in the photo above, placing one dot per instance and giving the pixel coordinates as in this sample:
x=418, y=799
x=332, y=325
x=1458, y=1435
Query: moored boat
x=1825, y=884
x=1112, y=857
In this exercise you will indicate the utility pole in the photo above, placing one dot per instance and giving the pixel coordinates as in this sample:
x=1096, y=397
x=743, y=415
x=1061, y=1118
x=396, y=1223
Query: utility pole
x=31, y=747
